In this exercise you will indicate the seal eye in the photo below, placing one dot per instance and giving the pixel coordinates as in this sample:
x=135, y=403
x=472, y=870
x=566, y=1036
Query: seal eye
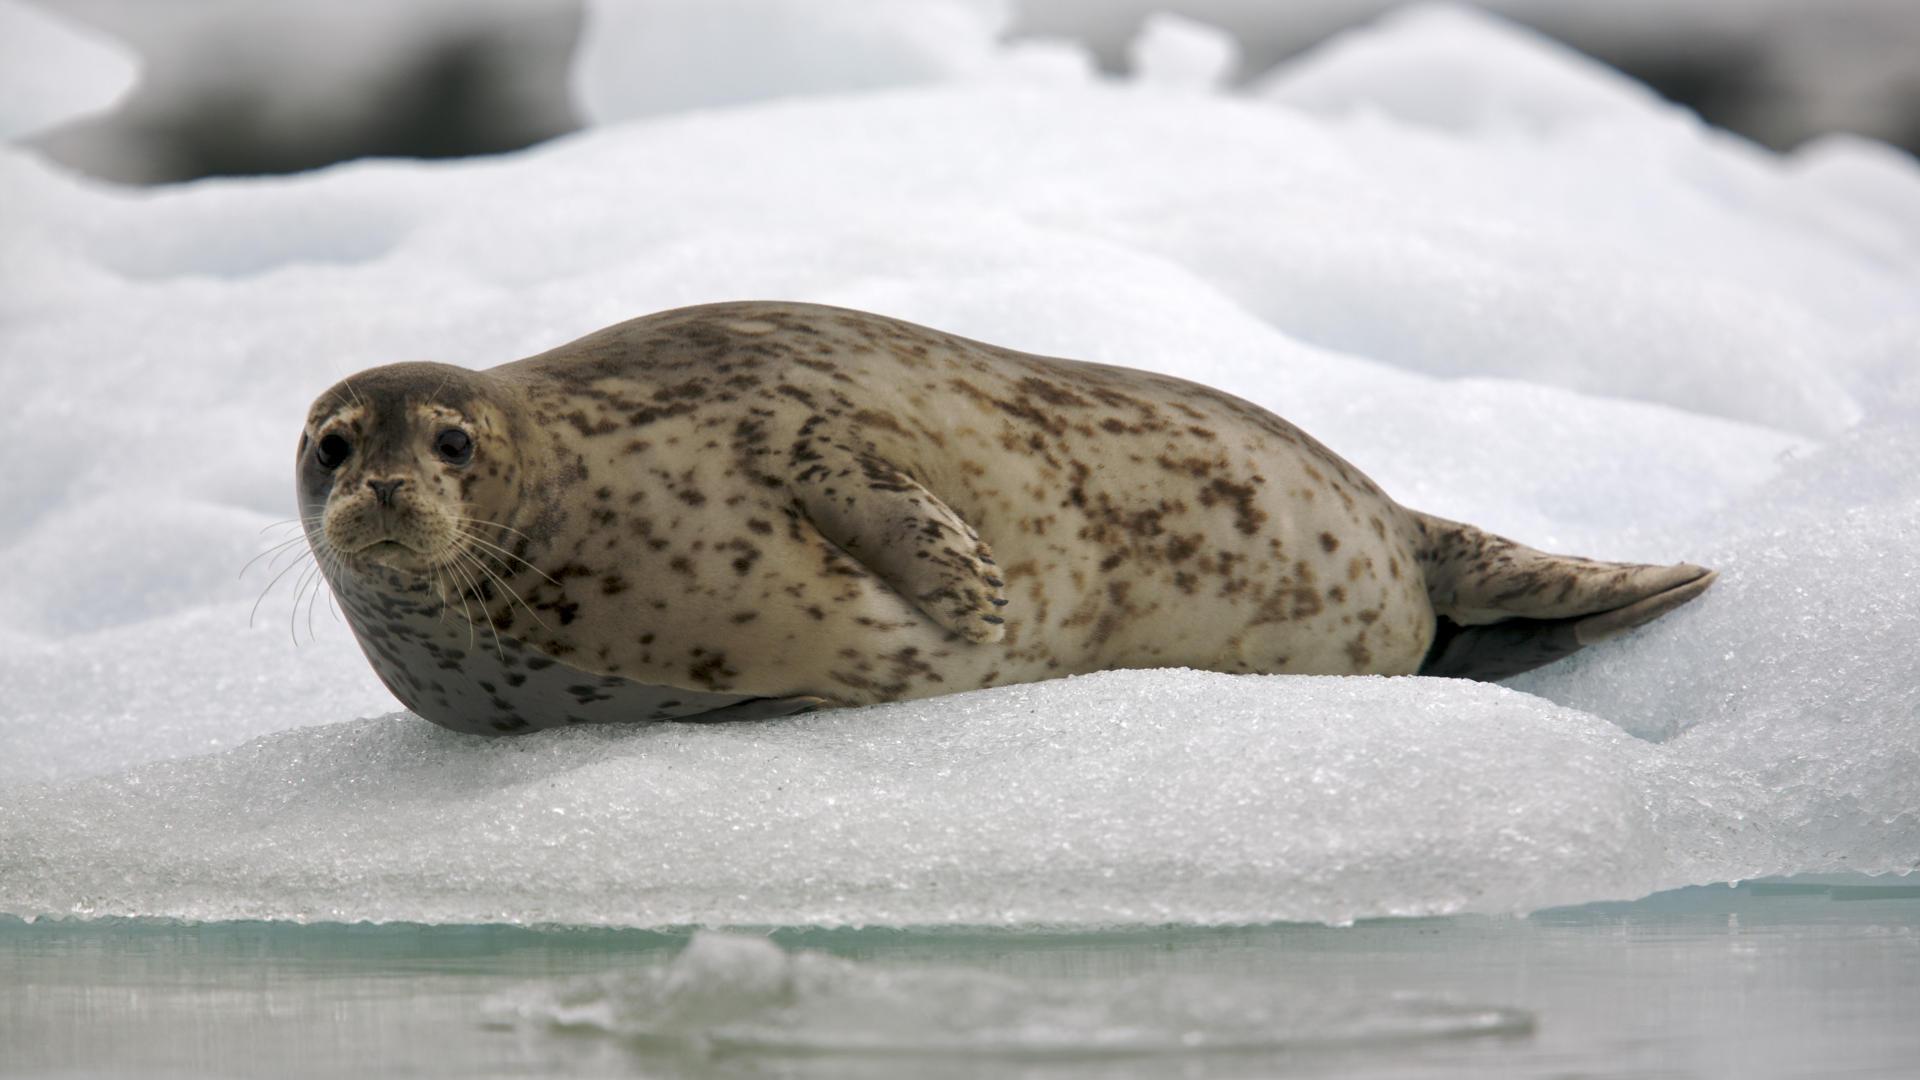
x=332, y=451
x=453, y=446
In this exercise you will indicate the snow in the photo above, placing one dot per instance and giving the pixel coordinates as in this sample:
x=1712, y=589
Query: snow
x=1177, y=53
x=52, y=71
x=1458, y=69
x=1548, y=304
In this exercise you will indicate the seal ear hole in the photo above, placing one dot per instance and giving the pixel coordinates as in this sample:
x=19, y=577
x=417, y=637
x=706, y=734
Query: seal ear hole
x=332, y=451
x=454, y=446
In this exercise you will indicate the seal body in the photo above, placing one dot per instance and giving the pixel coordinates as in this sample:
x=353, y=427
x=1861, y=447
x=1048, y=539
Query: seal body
x=746, y=509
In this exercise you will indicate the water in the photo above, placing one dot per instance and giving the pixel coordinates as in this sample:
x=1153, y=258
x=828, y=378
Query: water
x=1803, y=979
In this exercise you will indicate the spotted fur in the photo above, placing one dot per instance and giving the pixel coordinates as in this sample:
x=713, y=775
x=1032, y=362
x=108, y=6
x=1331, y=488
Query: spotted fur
x=787, y=503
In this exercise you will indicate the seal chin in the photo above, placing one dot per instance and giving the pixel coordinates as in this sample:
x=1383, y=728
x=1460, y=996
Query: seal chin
x=391, y=554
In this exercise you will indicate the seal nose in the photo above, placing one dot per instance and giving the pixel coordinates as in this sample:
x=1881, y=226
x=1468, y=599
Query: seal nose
x=383, y=490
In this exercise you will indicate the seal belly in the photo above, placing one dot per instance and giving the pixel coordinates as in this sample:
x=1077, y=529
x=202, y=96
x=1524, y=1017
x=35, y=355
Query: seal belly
x=463, y=677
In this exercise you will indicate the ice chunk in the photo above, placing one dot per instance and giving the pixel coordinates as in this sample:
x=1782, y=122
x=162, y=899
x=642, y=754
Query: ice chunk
x=1617, y=334
x=52, y=70
x=1175, y=52
x=1801, y=672
x=1461, y=69
x=640, y=59
x=1122, y=798
x=727, y=993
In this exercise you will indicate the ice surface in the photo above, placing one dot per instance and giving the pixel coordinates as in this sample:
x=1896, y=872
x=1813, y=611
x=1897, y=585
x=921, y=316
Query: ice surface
x=731, y=994
x=1124, y=798
x=52, y=70
x=1607, y=330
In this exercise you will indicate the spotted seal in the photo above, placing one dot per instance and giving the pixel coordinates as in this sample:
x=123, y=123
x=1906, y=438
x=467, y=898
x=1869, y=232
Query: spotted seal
x=750, y=509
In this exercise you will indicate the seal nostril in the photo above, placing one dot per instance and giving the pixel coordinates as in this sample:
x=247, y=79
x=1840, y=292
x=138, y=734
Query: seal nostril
x=383, y=490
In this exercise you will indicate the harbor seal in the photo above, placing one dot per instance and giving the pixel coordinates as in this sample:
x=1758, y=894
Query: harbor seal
x=751, y=509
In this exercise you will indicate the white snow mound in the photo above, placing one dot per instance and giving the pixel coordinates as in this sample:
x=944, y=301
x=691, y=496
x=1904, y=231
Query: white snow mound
x=1459, y=69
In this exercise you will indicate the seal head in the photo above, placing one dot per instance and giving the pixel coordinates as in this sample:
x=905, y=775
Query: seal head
x=402, y=465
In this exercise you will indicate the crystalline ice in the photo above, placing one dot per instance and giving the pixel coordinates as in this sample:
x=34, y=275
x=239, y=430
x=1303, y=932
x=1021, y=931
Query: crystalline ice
x=1604, y=329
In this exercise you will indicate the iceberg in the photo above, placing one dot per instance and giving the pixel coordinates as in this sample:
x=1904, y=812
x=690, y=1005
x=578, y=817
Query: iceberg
x=1549, y=304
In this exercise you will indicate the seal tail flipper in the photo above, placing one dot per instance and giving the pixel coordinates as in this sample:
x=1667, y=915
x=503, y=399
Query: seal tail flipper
x=1504, y=608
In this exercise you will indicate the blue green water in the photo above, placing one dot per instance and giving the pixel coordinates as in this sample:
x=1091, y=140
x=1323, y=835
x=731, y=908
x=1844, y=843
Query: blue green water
x=1803, y=979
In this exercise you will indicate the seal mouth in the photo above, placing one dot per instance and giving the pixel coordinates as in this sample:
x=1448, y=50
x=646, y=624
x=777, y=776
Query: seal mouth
x=389, y=553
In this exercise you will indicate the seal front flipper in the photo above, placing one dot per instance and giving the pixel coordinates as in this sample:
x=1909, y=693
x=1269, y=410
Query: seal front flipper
x=882, y=517
x=1504, y=608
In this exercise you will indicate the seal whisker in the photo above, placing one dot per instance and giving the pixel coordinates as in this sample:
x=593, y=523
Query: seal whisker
x=328, y=562
x=500, y=552
x=319, y=583
x=299, y=590
x=440, y=589
x=437, y=589
x=276, y=551
x=455, y=589
x=319, y=576
x=467, y=612
x=498, y=647
x=275, y=561
x=263, y=592
x=491, y=524
x=335, y=568
x=508, y=588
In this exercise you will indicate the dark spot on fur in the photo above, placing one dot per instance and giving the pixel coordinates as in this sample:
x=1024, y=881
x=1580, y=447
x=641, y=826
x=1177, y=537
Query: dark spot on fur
x=1247, y=515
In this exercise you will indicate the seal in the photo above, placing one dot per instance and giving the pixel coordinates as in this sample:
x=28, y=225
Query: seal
x=751, y=509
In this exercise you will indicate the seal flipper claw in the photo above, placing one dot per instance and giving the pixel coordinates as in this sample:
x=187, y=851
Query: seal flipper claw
x=1503, y=608
x=908, y=537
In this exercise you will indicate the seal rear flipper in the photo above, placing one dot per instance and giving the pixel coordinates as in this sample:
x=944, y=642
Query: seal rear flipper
x=910, y=539
x=1504, y=608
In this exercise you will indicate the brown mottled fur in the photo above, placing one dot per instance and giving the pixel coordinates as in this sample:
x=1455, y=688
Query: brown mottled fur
x=782, y=500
